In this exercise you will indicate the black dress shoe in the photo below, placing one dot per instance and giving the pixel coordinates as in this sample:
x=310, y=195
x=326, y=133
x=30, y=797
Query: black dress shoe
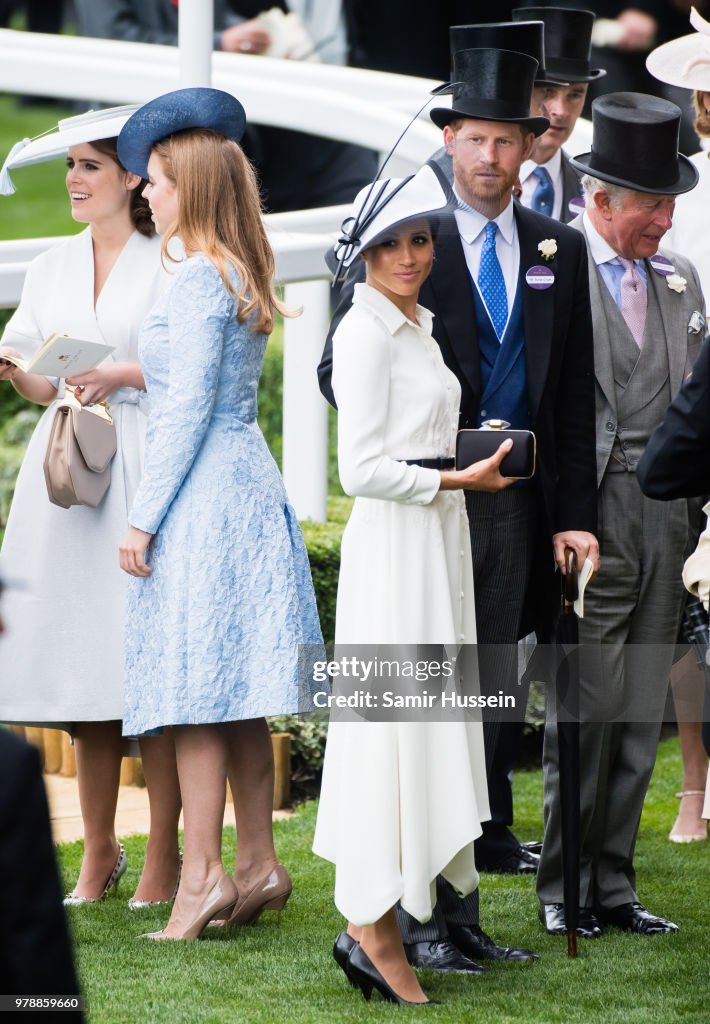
x=342, y=948
x=473, y=942
x=365, y=976
x=633, y=917
x=517, y=860
x=552, y=916
x=534, y=847
x=440, y=955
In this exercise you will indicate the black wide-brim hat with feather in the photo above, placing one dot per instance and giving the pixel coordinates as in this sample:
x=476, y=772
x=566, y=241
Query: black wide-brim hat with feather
x=176, y=112
x=568, y=42
x=492, y=85
x=635, y=145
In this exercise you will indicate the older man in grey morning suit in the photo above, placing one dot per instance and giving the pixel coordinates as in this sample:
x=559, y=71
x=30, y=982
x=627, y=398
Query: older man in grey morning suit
x=648, y=313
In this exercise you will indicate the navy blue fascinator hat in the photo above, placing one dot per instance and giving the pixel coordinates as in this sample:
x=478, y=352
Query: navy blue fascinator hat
x=175, y=112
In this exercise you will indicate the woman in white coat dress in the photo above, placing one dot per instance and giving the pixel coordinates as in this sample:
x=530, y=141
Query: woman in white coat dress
x=63, y=652
x=401, y=801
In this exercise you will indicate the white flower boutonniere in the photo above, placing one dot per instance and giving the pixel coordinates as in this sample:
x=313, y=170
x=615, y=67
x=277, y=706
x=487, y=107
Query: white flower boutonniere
x=547, y=248
x=676, y=283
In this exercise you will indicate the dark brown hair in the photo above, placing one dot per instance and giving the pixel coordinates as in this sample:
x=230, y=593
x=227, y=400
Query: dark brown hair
x=139, y=209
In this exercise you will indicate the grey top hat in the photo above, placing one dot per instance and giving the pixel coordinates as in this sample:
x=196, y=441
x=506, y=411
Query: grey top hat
x=492, y=85
x=635, y=144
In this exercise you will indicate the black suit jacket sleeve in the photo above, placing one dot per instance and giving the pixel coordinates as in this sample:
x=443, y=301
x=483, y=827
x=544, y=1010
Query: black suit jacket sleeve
x=571, y=189
x=35, y=954
x=325, y=367
x=676, y=462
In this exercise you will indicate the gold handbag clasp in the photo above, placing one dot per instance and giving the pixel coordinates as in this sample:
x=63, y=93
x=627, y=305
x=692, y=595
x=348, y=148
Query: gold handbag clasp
x=495, y=425
x=97, y=408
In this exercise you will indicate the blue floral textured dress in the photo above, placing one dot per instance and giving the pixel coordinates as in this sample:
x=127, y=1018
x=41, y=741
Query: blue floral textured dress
x=213, y=635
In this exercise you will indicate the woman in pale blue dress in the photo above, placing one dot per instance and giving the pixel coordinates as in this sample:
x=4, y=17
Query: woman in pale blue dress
x=222, y=599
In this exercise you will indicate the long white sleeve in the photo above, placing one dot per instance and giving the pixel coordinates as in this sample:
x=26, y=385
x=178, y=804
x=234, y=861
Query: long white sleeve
x=362, y=366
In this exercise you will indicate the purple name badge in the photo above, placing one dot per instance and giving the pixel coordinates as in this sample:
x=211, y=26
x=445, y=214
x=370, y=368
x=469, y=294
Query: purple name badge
x=540, y=278
x=576, y=205
x=662, y=265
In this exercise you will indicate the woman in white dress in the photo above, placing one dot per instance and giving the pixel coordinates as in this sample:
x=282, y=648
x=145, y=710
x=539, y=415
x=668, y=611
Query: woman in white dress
x=63, y=651
x=401, y=801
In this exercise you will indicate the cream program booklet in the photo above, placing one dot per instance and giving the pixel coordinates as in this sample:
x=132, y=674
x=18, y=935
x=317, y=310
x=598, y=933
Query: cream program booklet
x=62, y=356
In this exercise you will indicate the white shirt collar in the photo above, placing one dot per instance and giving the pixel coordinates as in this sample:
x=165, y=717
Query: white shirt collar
x=392, y=317
x=471, y=223
x=600, y=249
x=553, y=167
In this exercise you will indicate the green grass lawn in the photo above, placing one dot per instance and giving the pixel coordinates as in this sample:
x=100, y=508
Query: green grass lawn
x=283, y=970
x=40, y=206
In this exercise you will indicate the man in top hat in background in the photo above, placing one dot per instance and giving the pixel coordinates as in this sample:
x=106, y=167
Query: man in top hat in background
x=548, y=180
x=648, y=327
x=523, y=354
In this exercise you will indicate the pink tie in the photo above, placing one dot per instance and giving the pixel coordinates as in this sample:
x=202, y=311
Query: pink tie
x=633, y=300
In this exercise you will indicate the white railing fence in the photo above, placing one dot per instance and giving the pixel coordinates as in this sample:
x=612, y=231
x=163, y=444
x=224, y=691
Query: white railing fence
x=349, y=104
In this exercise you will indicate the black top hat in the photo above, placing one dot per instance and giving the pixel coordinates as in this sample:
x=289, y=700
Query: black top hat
x=492, y=85
x=519, y=36
x=568, y=42
x=635, y=144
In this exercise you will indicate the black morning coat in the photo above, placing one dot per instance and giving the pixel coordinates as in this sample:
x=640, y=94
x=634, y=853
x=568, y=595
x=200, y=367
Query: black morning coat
x=676, y=462
x=560, y=372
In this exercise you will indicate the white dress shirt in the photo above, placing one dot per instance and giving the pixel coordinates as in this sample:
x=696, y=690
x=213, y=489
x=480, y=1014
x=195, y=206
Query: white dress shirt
x=607, y=261
x=529, y=182
x=472, y=230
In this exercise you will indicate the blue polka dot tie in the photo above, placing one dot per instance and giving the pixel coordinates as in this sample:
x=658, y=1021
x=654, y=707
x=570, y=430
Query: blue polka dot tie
x=491, y=281
x=543, y=197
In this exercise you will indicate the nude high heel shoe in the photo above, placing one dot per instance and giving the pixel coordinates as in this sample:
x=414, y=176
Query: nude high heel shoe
x=270, y=893
x=219, y=901
x=117, y=873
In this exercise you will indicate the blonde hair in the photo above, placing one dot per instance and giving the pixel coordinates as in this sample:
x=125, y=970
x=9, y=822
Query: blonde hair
x=702, y=114
x=219, y=214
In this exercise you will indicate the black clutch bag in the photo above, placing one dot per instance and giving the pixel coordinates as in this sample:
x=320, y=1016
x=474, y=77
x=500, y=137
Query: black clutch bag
x=474, y=445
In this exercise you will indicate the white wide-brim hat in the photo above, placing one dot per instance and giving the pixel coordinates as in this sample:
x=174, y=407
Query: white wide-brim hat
x=685, y=61
x=386, y=204
x=71, y=131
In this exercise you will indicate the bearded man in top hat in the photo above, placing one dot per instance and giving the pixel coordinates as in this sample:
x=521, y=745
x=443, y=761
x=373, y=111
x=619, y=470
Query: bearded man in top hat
x=649, y=324
x=559, y=41
x=550, y=184
x=523, y=354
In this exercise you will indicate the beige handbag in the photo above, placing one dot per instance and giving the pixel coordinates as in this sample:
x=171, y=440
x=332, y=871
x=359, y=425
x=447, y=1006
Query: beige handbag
x=82, y=443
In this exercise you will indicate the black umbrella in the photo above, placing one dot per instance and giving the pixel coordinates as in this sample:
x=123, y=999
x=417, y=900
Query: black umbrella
x=567, y=692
